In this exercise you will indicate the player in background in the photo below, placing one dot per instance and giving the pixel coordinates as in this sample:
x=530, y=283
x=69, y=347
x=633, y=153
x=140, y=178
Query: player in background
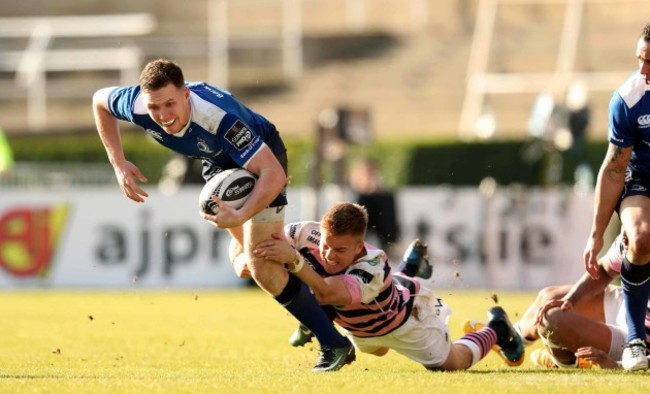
x=623, y=185
x=204, y=122
x=584, y=323
x=378, y=310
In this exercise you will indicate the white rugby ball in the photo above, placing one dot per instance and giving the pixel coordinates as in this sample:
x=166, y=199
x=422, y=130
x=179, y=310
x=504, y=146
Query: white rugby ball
x=232, y=186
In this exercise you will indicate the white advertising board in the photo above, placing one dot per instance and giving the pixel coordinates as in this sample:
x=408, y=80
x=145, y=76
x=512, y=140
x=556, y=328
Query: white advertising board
x=97, y=238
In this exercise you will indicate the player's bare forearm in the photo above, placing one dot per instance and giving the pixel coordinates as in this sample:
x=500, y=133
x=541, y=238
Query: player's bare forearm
x=108, y=128
x=271, y=179
x=587, y=287
x=610, y=183
x=328, y=291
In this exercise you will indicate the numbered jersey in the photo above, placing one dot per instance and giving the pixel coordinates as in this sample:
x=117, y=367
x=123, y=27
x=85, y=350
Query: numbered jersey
x=380, y=303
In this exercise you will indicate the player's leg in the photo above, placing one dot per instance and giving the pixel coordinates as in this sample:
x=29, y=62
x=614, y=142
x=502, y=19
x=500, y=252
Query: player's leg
x=526, y=325
x=590, y=308
x=635, y=277
x=470, y=349
x=236, y=253
x=564, y=332
x=509, y=344
x=292, y=294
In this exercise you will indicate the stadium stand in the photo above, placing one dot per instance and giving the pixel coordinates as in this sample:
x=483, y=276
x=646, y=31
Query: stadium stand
x=413, y=82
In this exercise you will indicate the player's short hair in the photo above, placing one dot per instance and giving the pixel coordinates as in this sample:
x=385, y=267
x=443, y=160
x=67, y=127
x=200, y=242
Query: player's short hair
x=345, y=218
x=645, y=33
x=159, y=73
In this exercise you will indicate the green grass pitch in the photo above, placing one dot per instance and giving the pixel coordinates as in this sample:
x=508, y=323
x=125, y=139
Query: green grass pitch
x=235, y=341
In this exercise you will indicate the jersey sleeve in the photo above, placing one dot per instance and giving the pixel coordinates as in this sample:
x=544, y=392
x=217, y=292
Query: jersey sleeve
x=239, y=141
x=303, y=234
x=621, y=130
x=365, y=279
x=121, y=102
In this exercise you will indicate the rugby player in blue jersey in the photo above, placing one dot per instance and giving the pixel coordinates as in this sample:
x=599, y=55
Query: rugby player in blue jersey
x=624, y=186
x=204, y=122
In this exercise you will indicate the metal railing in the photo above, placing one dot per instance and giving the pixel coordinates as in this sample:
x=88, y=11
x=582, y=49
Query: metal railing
x=29, y=175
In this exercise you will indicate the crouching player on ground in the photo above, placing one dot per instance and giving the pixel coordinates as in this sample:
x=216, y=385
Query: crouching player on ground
x=583, y=324
x=377, y=310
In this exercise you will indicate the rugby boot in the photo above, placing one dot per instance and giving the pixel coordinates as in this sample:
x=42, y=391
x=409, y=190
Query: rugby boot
x=543, y=359
x=511, y=346
x=301, y=336
x=334, y=359
x=416, y=261
x=634, y=356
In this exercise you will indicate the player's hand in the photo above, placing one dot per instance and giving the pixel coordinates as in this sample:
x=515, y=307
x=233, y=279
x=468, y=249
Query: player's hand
x=564, y=305
x=227, y=217
x=276, y=249
x=596, y=356
x=594, y=245
x=127, y=176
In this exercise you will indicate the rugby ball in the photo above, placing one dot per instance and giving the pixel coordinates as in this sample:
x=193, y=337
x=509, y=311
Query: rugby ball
x=232, y=186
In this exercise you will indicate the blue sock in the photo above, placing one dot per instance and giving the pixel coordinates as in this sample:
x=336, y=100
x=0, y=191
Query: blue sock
x=301, y=303
x=636, y=290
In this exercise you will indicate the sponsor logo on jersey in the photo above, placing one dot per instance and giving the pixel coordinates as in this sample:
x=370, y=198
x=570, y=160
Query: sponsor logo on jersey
x=239, y=135
x=638, y=188
x=202, y=146
x=155, y=134
x=643, y=121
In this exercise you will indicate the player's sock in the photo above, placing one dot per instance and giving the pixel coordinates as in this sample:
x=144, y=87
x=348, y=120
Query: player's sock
x=479, y=343
x=301, y=303
x=636, y=290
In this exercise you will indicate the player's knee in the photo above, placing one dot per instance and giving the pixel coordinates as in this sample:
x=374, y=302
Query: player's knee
x=550, y=322
x=268, y=275
x=547, y=294
x=639, y=243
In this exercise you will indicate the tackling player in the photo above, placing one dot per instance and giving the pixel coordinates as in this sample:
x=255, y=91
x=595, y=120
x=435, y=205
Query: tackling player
x=204, y=122
x=378, y=310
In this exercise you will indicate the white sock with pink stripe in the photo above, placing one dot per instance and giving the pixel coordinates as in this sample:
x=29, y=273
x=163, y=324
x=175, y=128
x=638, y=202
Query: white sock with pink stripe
x=479, y=342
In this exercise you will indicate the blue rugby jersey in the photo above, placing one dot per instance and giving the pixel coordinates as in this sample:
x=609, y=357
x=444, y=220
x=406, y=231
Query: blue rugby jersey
x=222, y=131
x=629, y=121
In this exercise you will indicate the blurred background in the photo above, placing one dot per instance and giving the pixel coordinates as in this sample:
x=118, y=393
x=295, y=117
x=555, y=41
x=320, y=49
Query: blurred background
x=476, y=125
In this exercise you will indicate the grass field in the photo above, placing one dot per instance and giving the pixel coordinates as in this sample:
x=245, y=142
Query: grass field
x=205, y=341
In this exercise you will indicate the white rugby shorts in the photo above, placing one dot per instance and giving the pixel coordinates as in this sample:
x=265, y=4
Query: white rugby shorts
x=615, y=319
x=424, y=337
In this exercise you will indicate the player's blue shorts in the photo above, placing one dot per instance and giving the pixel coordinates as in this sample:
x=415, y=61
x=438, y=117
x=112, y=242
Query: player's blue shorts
x=276, y=144
x=636, y=184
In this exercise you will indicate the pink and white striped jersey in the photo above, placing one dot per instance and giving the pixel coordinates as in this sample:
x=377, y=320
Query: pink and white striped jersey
x=379, y=304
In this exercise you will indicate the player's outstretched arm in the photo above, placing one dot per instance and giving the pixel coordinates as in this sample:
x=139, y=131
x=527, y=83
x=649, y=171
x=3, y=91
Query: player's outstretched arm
x=609, y=185
x=109, y=132
x=585, y=288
